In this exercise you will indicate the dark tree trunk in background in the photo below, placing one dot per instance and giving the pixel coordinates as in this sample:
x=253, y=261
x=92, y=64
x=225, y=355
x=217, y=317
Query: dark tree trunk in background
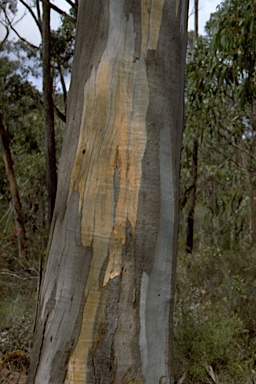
x=106, y=303
x=192, y=194
x=8, y=162
x=49, y=110
x=196, y=17
x=192, y=199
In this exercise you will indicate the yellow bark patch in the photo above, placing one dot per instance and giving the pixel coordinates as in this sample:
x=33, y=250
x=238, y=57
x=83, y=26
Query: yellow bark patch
x=108, y=166
x=151, y=18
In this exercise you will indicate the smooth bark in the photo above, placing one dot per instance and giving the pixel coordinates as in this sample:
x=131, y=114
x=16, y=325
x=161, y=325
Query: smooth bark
x=106, y=302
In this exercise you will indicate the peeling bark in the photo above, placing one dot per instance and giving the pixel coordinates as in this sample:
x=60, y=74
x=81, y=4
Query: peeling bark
x=106, y=303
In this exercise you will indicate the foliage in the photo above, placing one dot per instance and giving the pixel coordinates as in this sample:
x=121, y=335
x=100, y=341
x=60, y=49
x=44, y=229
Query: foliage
x=214, y=321
x=215, y=330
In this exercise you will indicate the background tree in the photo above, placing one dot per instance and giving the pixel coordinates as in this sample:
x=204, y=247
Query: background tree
x=49, y=55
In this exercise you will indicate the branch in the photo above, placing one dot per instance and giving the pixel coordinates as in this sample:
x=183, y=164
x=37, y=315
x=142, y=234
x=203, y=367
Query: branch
x=61, y=12
x=39, y=18
x=22, y=38
x=5, y=38
x=17, y=33
x=73, y=5
x=223, y=154
x=62, y=80
x=60, y=114
x=236, y=146
x=32, y=14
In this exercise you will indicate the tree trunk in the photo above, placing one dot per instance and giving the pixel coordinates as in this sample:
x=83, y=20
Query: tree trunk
x=49, y=110
x=106, y=303
x=192, y=200
x=8, y=162
x=192, y=195
x=196, y=18
x=250, y=189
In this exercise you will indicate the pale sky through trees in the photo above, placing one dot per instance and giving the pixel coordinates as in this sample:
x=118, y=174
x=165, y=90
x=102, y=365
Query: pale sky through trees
x=28, y=29
x=206, y=7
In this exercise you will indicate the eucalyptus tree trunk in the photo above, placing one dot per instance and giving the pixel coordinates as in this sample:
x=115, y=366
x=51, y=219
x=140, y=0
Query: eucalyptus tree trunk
x=106, y=302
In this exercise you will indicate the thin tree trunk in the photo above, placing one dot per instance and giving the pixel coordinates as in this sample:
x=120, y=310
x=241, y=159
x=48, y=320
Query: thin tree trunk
x=49, y=110
x=192, y=195
x=106, y=303
x=196, y=18
x=250, y=189
x=192, y=199
x=8, y=162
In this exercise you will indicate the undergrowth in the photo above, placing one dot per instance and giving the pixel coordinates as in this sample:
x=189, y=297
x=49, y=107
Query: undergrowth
x=215, y=333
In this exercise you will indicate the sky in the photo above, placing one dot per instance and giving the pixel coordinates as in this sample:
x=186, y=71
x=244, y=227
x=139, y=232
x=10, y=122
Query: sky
x=206, y=7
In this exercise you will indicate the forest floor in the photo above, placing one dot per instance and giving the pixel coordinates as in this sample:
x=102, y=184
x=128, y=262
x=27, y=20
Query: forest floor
x=13, y=367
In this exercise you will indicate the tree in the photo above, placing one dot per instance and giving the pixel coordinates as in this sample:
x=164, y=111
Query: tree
x=49, y=109
x=8, y=162
x=106, y=302
x=193, y=186
x=20, y=105
x=40, y=13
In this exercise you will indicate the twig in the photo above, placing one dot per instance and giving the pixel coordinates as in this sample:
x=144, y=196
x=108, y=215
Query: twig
x=3, y=272
x=211, y=373
x=5, y=38
x=183, y=377
x=17, y=33
x=19, y=377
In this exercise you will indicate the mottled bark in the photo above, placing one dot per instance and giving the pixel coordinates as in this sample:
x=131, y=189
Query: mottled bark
x=106, y=303
x=49, y=110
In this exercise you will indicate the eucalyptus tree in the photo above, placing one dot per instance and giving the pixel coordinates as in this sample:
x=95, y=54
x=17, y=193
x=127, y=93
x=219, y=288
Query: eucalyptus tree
x=106, y=301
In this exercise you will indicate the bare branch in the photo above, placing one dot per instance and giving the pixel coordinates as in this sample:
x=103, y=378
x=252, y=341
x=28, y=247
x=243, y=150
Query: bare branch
x=236, y=146
x=17, y=33
x=60, y=114
x=6, y=36
x=62, y=80
x=61, y=12
x=73, y=5
x=32, y=14
x=22, y=38
x=38, y=12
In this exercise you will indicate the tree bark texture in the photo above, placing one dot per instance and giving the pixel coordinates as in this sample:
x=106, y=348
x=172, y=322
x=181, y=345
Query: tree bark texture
x=49, y=110
x=106, y=303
